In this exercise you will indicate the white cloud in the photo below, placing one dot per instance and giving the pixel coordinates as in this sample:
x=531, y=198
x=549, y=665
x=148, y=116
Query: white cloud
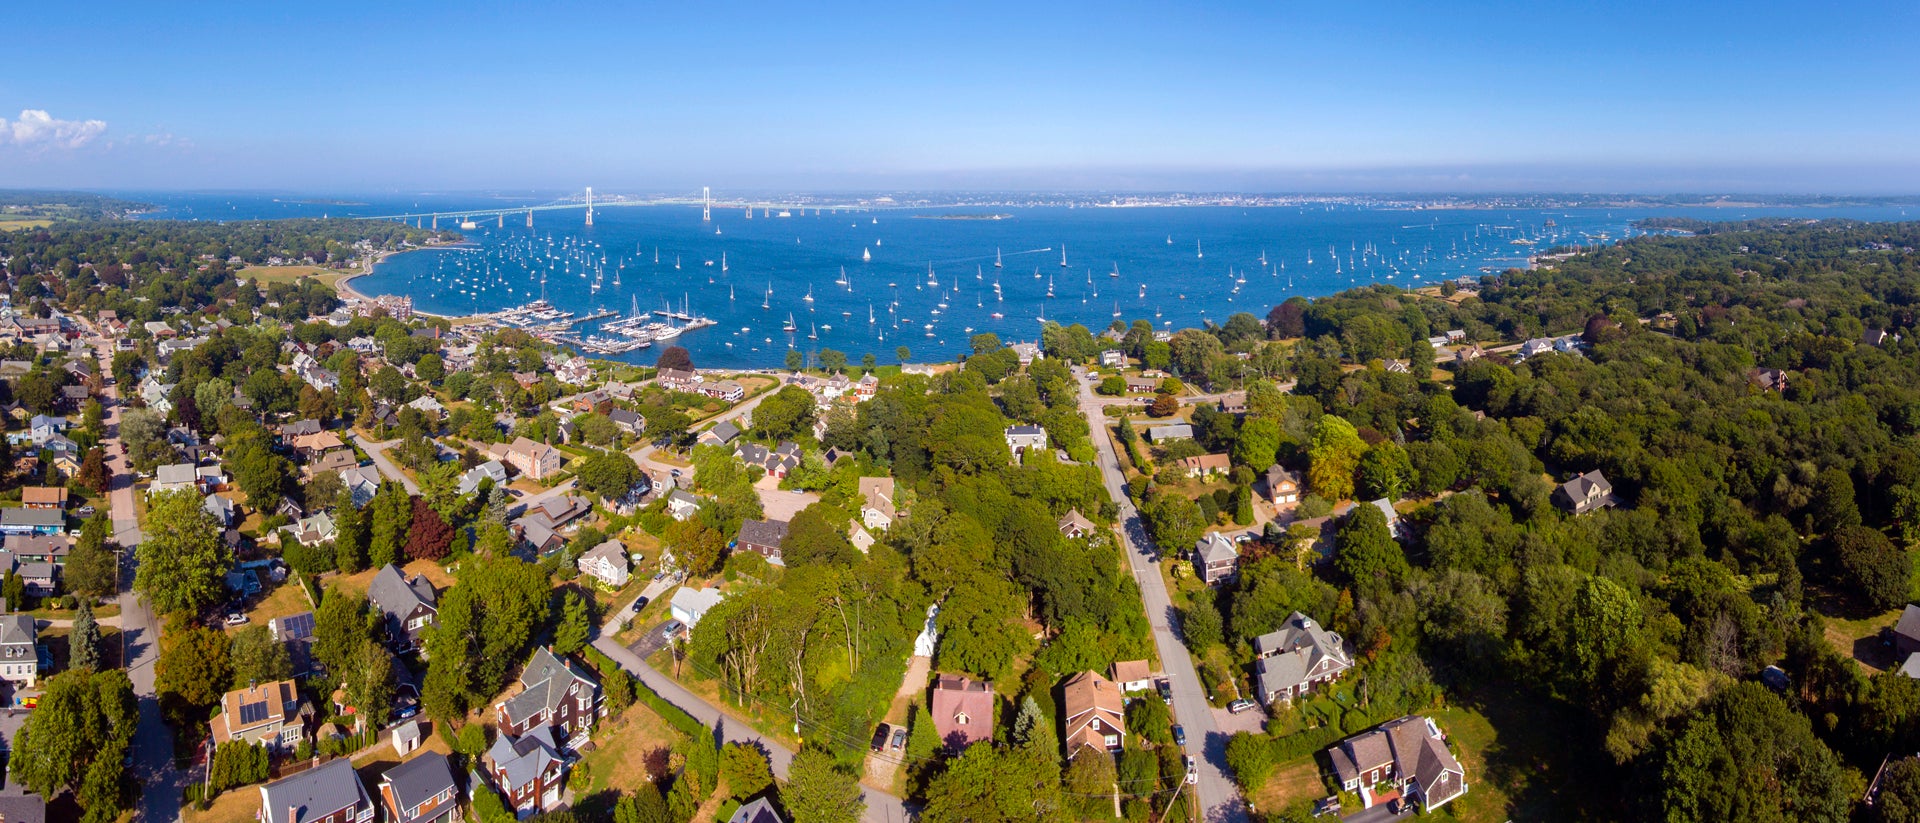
x=35, y=129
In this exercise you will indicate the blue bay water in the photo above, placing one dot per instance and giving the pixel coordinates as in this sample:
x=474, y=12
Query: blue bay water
x=1178, y=267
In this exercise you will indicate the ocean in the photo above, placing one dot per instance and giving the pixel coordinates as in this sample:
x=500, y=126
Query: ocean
x=926, y=279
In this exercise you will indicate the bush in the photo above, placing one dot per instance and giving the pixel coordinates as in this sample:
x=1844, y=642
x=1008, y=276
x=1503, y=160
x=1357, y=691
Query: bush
x=1250, y=756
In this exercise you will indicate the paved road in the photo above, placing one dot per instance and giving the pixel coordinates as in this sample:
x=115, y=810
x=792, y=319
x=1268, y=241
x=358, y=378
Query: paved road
x=378, y=451
x=152, y=766
x=1219, y=799
x=643, y=453
x=881, y=806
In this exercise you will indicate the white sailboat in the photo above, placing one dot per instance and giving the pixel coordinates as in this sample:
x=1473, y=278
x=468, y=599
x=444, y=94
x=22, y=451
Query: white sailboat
x=1063, y=255
x=809, y=297
x=723, y=262
x=1197, y=252
x=996, y=258
x=866, y=254
x=843, y=277
x=790, y=326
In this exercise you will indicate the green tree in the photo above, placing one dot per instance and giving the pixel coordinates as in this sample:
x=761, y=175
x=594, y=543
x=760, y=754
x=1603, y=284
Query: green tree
x=350, y=534
x=574, y=627
x=608, y=474
x=745, y=770
x=84, y=642
x=1385, y=472
x=1333, y=456
x=818, y=791
x=1899, y=800
x=642, y=804
x=1365, y=551
x=833, y=361
x=341, y=624
x=92, y=570
x=1878, y=573
x=923, y=740
x=1028, y=723
x=1744, y=738
x=391, y=511
x=985, y=783
x=77, y=738
x=368, y=679
x=795, y=360
x=1250, y=756
x=786, y=413
x=194, y=668
x=181, y=558
x=901, y=353
x=1151, y=721
x=258, y=658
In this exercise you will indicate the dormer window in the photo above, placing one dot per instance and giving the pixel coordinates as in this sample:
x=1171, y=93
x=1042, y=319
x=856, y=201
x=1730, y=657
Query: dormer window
x=962, y=718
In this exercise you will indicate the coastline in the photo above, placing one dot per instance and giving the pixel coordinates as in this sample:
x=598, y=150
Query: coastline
x=344, y=288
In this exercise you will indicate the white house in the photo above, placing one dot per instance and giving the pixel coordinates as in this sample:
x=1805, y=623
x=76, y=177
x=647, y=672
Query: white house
x=607, y=563
x=690, y=604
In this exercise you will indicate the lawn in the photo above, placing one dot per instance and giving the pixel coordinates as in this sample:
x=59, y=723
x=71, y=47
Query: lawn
x=357, y=583
x=618, y=759
x=1859, y=639
x=1295, y=784
x=286, y=599
x=1514, y=747
x=288, y=274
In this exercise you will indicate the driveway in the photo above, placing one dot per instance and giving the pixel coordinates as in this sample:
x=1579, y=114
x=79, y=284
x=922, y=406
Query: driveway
x=1219, y=799
x=378, y=451
x=782, y=505
x=1377, y=814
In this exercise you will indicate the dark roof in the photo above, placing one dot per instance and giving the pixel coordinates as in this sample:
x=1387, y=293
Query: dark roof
x=415, y=781
x=764, y=532
x=398, y=596
x=295, y=627
x=314, y=793
x=1909, y=625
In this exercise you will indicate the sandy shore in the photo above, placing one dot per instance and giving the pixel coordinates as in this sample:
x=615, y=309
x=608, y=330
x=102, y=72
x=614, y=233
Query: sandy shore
x=344, y=287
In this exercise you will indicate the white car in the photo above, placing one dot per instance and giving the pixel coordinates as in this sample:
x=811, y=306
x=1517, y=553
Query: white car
x=236, y=619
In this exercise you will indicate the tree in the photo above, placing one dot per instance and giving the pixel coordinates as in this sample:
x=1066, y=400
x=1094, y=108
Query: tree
x=93, y=472
x=257, y=657
x=431, y=367
x=182, y=558
x=1877, y=571
x=1151, y=721
x=923, y=740
x=390, y=511
x=1027, y=723
x=428, y=535
x=1090, y=776
x=786, y=413
x=1288, y=319
x=77, y=739
x=818, y=791
x=1332, y=457
x=350, y=535
x=341, y=624
x=901, y=353
x=1365, y=551
x=609, y=474
x=92, y=571
x=368, y=679
x=985, y=783
x=745, y=770
x=1899, y=800
x=575, y=625
x=832, y=360
x=1745, y=738
x=1250, y=756
x=1385, y=472
x=795, y=360
x=84, y=643
x=676, y=358
x=1164, y=405
x=194, y=668
x=144, y=433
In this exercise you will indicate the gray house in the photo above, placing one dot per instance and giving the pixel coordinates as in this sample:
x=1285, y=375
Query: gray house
x=1584, y=493
x=409, y=605
x=1302, y=654
x=1215, y=558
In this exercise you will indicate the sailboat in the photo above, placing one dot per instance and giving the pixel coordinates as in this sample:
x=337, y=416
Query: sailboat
x=729, y=291
x=869, y=314
x=809, y=297
x=1049, y=286
x=1263, y=257
x=1169, y=239
x=790, y=326
x=843, y=277
x=765, y=302
x=723, y=262
x=676, y=262
x=996, y=259
x=866, y=254
x=1116, y=308
x=1197, y=253
x=812, y=332
x=932, y=280
x=1063, y=255
x=1116, y=270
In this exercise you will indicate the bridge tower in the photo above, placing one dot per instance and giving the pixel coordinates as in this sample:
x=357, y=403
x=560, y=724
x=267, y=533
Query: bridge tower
x=503, y=220
x=706, y=205
x=529, y=218
x=436, y=222
x=589, y=205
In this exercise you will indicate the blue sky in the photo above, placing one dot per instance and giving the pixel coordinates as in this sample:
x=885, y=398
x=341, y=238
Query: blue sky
x=351, y=96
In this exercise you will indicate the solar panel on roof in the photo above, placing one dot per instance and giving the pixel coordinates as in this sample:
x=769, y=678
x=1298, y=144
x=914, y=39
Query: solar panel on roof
x=297, y=627
x=253, y=712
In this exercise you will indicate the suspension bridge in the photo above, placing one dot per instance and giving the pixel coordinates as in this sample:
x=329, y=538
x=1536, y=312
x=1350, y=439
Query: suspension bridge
x=471, y=218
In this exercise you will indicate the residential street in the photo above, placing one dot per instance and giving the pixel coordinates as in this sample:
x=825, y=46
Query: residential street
x=378, y=451
x=1219, y=799
x=152, y=767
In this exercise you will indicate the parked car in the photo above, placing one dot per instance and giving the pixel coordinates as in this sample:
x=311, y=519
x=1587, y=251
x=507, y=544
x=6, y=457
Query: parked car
x=1193, y=770
x=236, y=619
x=1240, y=705
x=672, y=628
x=1179, y=736
x=880, y=735
x=1326, y=806
x=1165, y=687
x=899, y=739
x=639, y=604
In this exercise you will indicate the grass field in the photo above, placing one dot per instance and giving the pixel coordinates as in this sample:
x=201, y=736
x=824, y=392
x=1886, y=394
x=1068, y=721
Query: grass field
x=619, y=756
x=1859, y=639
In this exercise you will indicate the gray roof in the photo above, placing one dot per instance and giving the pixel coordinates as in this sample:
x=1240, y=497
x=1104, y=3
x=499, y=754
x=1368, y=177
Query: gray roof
x=17, y=628
x=33, y=517
x=523, y=758
x=398, y=596
x=1215, y=547
x=764, y=532
x=1909, y=625
x=726, y=431
x=175, y=473
x=1296, y=651
x=759, y=811
x=418, y=780
x=547, y=679
x=19, y=806
x=611, y=549
x=1177, y=430
x=314, y=793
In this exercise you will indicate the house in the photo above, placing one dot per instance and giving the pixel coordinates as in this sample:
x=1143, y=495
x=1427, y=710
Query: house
x=363, y=482
x=962, y=709
x=531, y=459
x=174, y=477
x=1141, y=384
x=877, y=512
x=427, y=405
x=1234, y=402
x=859, y=537
x=19, y=650
x=1021, y=438
x=721, y=434
x=314, y=529
x=1095, y=712
x=1875, y=337
x=420, y=790
x=764, y=538
x=1764, y=379
x=44, y=497
x=1113, y=358
x=1075, y=525
x=1298, y=656
x=295, y=631
x=328, y=793
x=42, y=579
x=1204, y=465
x=221, y=508
x=628, y=421
x=1906, y=633
x=1132, y=675
x=1175, y=431
x=1215, y=558
x=727, y=390
x=560, y=512
x=335, y=461
x=1408, y=754
x=678, y=380
x=1584, y=493
x=22, y=806
x=1283, y=487
x=761, y=810
x=409, y=606
x=682, y=505
x=1026, y=352
x=778, y=461
x=607, y=563
x=491, y=471
x=576, y=371
x=266, y=714
x=1456, y=335
x=528, y=769
x=690, y=604
x=554, y=694
x=32, y=521
x=1535, y=347
x=37, y=548
x=309, y=445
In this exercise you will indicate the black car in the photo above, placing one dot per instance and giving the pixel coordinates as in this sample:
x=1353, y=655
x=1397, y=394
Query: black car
x=639, y=604
x=1166, y=690
x=1179, y=736
x=880, y=736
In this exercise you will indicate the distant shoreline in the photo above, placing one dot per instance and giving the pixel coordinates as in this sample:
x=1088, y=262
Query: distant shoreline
x=343, y=287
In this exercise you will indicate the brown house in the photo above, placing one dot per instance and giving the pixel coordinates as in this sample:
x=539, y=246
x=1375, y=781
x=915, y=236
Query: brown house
x=528, y=769
x=44, y=497
x=763, y=537
x=554, y=694
x=268, y=714
x=1095, y=713
x=420, y=790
